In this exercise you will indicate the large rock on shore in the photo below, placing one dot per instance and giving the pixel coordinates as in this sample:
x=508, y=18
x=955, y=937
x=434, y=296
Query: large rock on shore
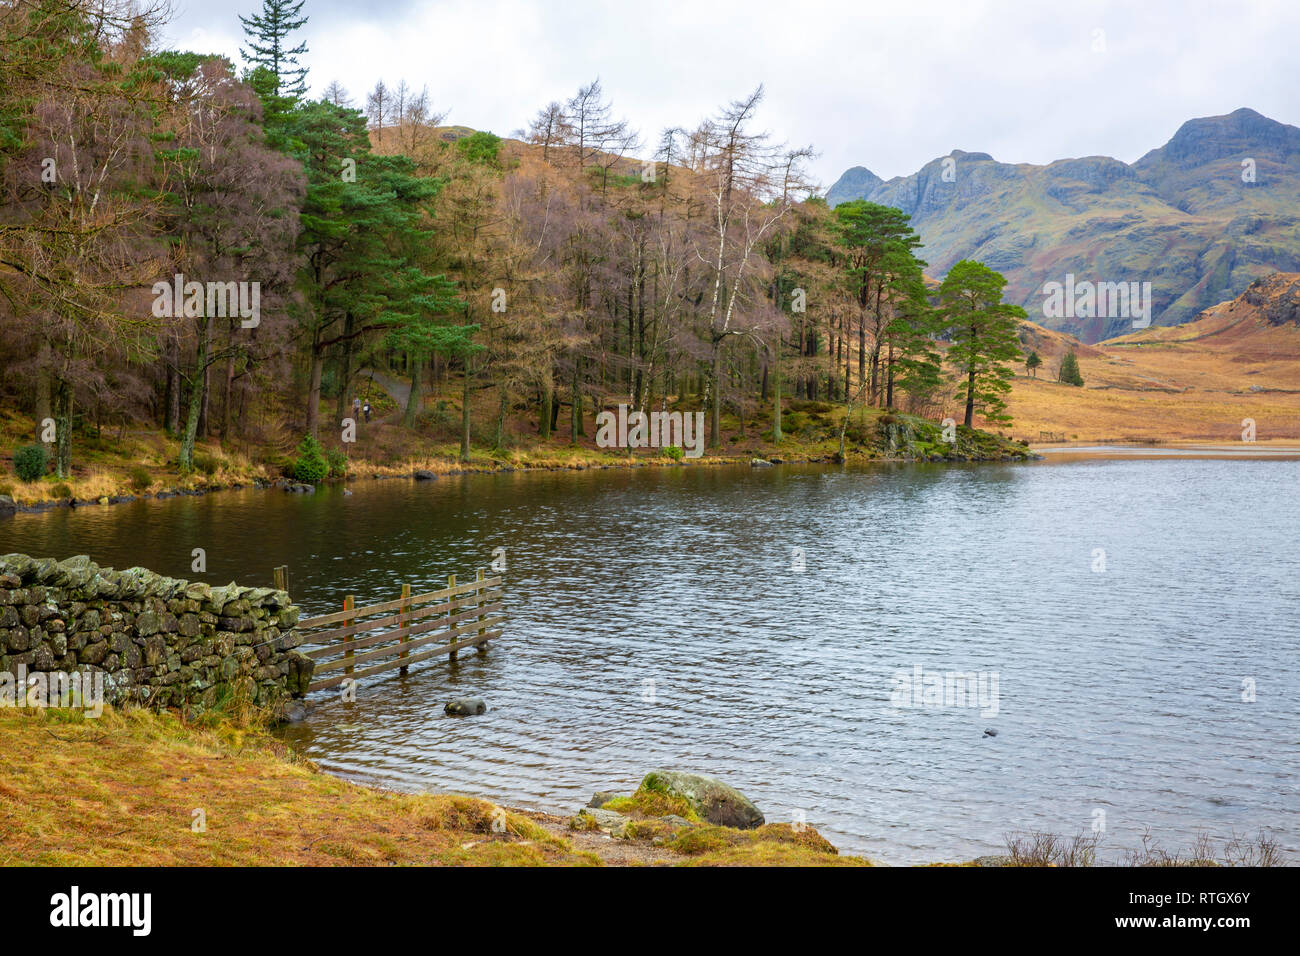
x=713, y=800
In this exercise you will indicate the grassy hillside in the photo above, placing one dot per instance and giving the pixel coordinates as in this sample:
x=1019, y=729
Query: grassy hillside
x=1239, y=360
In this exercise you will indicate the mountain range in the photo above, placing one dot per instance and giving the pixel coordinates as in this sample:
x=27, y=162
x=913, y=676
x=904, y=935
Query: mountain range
x=1199, y=218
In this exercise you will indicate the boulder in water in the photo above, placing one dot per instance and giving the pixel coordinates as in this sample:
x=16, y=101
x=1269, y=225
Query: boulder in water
x=465, y=707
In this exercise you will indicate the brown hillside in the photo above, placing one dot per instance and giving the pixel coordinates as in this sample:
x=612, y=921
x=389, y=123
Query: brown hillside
x=1237, y=360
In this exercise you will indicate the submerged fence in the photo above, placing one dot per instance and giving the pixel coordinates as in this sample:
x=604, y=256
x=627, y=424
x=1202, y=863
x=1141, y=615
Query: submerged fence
x=360, y=642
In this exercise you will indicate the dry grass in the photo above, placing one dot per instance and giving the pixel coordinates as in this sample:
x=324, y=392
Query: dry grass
x=775, y=844
x=123, y=790
x=1039, y=848
x=1192, y=382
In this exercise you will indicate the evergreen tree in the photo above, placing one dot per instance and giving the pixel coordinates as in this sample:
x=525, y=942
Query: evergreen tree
x=909, y=358
x=1069, y=373
x=875, y=239
x=268, y=49
x=364, y=229
x=1032, y=364
x=982, y=330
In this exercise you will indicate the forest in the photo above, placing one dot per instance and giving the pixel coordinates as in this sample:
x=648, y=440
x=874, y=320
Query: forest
x=201, y=247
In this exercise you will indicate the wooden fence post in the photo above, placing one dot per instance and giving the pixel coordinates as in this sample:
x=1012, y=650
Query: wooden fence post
x=405, y=624
x=348, y=604
x=280, y=578
x=451, y=608
x=478, y=595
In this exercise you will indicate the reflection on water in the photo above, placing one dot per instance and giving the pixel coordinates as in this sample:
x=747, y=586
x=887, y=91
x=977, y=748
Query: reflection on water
x=657, y=619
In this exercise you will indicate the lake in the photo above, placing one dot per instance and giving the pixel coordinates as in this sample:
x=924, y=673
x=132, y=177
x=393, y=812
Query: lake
x=834, y=642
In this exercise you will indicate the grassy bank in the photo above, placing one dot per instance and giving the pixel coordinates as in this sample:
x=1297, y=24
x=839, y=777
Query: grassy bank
x=126, y=463
x=124, y=790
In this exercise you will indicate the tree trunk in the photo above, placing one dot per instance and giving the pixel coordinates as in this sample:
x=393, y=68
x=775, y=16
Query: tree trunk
x=341, y=405
x=228, y=398
x=172, y=415
x=44, y=388
x=544, y=422
x=970, y=398
x=715, y=396
x=313, y=389
x=62, y=411
x=501, y=415
x=575, y=418
x=889, y=378
x=204, y=407
x=414, y=400
x=862, y=345
x=198, y=393
x=464, y=412
x=776, y=393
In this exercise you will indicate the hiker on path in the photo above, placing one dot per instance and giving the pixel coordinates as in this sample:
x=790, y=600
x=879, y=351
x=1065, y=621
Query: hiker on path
x=356, y=409
x=366, y=409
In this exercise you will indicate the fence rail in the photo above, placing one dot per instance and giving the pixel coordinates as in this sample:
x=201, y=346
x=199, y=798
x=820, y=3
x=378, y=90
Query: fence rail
x=446, y=621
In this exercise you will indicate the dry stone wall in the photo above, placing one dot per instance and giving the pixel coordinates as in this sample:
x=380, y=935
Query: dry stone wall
x=158, y=640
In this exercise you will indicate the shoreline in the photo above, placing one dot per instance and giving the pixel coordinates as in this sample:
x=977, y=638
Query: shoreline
x=424, y=469
x=428, y=470
x=265, y=805
x=1182, y=449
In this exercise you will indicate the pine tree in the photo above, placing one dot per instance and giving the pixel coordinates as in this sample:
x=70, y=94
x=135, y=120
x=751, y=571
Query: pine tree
x=1069, y=373
x=267, y=34
x=982, y=330
x=1032, y=364
x=362, y=243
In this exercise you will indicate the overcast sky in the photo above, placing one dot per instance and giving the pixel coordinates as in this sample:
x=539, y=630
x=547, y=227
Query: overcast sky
x=886, y=85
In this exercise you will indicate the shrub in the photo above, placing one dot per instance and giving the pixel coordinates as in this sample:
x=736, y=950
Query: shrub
x=208, y=464
x=310, y=466
x=61, y=491
x=860, y=433
x=30, y=462
x=141, y=478
x=675, y=452
x=337, y=462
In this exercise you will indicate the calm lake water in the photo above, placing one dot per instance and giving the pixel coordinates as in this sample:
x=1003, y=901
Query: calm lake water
x=658, y=618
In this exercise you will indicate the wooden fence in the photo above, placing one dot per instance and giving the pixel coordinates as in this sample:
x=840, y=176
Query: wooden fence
x=453, y=619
